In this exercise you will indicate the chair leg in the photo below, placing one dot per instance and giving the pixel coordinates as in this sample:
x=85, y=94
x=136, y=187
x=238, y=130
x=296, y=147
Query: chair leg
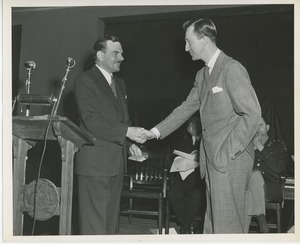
x=278, y=212
x=167, y=217
x=130, y=207
x=160, y=208
x=118, y=224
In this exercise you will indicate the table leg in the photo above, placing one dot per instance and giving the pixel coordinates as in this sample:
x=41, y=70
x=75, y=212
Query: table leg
x=68, y=150
x=20, y=148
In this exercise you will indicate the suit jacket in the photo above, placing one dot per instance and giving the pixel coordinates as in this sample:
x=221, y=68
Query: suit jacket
x=229, y=112
x=105, y=119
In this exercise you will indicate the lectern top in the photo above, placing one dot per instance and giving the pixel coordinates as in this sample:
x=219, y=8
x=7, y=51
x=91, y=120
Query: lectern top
x=34, y=128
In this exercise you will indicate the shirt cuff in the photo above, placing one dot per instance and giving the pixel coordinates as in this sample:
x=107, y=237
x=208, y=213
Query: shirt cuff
x=156, y=132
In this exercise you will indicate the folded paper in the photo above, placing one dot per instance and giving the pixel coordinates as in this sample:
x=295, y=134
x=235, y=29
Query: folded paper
x=185, y=163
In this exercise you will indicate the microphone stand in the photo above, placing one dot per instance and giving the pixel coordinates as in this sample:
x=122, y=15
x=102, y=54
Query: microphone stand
x=69, y=66
x=27, y=84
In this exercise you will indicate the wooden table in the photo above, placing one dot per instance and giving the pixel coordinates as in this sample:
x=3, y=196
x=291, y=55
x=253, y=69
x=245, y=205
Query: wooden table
x=27, y=131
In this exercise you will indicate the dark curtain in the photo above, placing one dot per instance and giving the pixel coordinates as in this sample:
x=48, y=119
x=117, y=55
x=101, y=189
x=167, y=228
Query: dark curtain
x=271, y=116
x=16, y=44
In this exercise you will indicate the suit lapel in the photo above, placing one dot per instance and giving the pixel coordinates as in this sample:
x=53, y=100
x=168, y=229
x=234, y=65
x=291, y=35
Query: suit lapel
x=102, y=83
x=213, y=78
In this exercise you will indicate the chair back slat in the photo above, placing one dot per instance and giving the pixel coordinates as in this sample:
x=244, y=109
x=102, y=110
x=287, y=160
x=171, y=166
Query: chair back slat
x=149, y=172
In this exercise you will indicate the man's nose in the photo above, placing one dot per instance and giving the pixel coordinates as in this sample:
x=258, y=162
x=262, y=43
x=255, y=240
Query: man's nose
x=187, y=47
x=121, y=58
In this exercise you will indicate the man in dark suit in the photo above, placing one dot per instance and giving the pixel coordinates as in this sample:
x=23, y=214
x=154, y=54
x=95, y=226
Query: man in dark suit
x=103, y=113
x=187, y=192
x=230, y=113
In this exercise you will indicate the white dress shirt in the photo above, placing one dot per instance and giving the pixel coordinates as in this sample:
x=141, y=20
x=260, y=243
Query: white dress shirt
x=213, y=60
x=105, y=73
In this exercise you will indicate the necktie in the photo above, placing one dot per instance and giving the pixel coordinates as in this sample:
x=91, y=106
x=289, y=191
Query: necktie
x=206, y=74
x=113, y=86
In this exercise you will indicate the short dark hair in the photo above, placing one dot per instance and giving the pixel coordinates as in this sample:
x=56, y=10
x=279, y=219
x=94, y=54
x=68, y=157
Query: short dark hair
x=195, y=120
x=100, y=44
x=203, y=27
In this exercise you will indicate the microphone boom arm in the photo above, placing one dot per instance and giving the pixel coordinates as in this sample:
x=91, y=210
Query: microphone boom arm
x=70, y=64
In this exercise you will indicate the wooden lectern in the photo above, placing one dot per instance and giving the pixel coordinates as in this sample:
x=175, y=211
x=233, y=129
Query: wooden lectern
x=27, y=131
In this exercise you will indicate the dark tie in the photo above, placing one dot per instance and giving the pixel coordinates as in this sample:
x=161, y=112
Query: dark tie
x=206, y=74
x=113, y=86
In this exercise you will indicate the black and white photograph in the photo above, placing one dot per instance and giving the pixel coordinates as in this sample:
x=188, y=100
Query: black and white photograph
x=149, y=121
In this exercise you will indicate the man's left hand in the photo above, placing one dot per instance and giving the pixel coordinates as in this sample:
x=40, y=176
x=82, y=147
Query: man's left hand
x=135, y=150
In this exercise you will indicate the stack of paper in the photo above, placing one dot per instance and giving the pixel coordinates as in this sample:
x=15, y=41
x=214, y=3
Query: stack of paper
x=184, y=164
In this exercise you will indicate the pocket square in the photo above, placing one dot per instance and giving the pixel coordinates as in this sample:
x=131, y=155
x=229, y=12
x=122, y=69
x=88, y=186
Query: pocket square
x=217, y=89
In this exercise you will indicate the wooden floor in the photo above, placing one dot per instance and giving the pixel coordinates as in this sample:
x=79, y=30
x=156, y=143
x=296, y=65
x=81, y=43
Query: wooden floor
x=140, y=225
x=144, y=225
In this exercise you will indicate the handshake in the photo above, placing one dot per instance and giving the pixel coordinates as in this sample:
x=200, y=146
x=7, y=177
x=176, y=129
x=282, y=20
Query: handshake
x=140, y=135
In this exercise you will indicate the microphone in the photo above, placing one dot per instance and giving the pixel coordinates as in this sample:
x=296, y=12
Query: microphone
x=30, y=64
x=70, y=62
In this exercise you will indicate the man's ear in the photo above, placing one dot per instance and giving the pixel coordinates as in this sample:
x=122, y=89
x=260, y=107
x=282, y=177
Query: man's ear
x=205, y=39
x=100, y=56
x=268, y=127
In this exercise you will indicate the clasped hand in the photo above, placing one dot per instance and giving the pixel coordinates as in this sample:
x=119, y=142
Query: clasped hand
x=257, y=142
x=140, y=135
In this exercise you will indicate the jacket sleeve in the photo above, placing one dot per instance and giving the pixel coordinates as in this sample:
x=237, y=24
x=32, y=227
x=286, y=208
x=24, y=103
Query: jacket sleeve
x=182, y=113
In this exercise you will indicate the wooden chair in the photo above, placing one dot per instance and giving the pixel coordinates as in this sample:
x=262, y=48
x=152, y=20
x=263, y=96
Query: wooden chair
x=277, y=207
x=147, y=180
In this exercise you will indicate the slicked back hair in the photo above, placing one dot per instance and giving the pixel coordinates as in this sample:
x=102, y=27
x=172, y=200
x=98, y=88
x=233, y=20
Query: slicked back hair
x=100, y=44
x=203, y=27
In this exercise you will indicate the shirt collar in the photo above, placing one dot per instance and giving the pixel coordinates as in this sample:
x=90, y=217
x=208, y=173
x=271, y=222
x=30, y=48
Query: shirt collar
x=105, y=73
x=213, y=59
x=195, y=138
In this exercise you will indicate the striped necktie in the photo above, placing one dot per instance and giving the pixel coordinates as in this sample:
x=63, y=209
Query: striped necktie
x=113, y=85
